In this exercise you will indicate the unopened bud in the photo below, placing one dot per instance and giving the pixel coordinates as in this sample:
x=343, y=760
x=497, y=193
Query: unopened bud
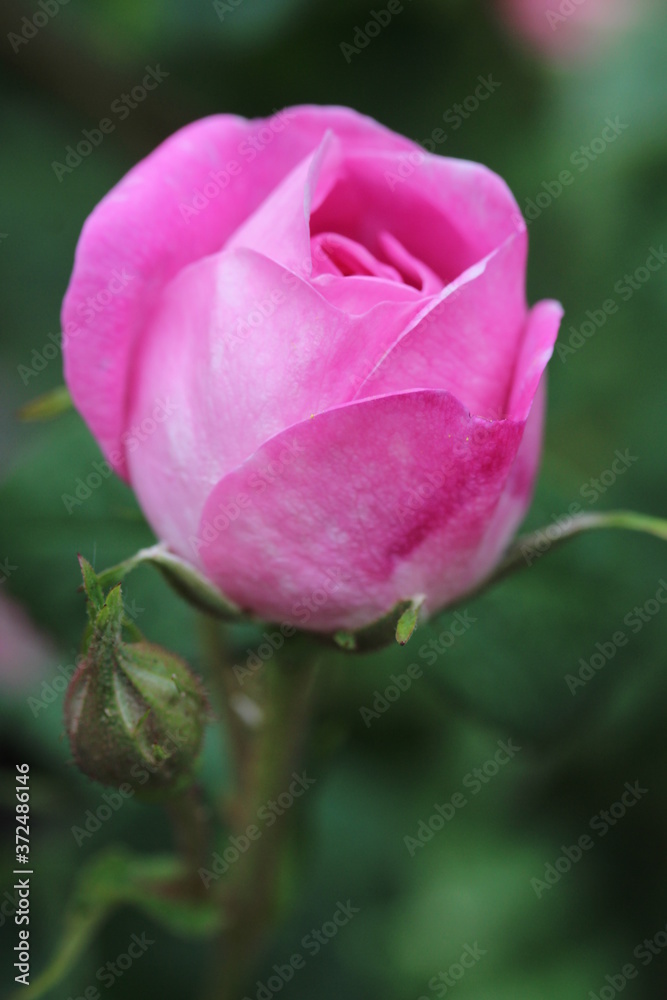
x=132, y=709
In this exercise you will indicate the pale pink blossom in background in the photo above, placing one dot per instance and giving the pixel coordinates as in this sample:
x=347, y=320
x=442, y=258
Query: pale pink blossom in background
x=25, y=652
x=561, y=29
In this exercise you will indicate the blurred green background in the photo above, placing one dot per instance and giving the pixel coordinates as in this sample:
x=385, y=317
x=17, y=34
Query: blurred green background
x=504, y=679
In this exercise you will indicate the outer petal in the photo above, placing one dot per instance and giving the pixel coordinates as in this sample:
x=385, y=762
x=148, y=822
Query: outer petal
x=340, y=517
x=536, y=350
x=238, y=350
x=468, y=339
x=179, y=204
x=527, y=402
x=518, y=491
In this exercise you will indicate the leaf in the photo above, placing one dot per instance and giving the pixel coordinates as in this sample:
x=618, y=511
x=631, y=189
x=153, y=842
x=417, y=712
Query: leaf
x=47, y=406
x=153, y=884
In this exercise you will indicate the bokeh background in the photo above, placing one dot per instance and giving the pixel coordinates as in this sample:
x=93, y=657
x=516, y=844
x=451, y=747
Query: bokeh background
x=505, y=677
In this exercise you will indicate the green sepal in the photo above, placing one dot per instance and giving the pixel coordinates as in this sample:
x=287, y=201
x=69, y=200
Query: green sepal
x=407, y=623
x=92, y=587
x=372, y=637
x=346, y=641
x=182, y=576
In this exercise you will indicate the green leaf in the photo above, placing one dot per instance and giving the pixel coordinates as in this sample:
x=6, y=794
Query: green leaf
x=155, y=885
x=47, y=406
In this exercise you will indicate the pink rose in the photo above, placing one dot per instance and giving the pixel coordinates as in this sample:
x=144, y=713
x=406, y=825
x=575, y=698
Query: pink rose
x=305, y=343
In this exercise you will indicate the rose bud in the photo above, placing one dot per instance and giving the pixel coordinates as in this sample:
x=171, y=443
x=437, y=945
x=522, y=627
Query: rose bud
x=133, y=712
x=304, y=341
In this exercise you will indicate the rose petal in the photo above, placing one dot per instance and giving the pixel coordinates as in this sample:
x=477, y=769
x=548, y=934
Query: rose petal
x=468, y=338
x=536, y=350
x=336, y=519
x=448, y=213
x=280, y=227
x=151, y=225
x=238, y=350
x=518, y=492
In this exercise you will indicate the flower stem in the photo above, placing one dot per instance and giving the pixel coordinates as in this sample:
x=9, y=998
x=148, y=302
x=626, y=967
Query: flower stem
x=265, y=723
x=190, y=821
x=521, y=553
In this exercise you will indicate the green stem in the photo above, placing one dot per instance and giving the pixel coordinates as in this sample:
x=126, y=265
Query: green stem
x=266, y=722
x=190, y=821
x=533, y=544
